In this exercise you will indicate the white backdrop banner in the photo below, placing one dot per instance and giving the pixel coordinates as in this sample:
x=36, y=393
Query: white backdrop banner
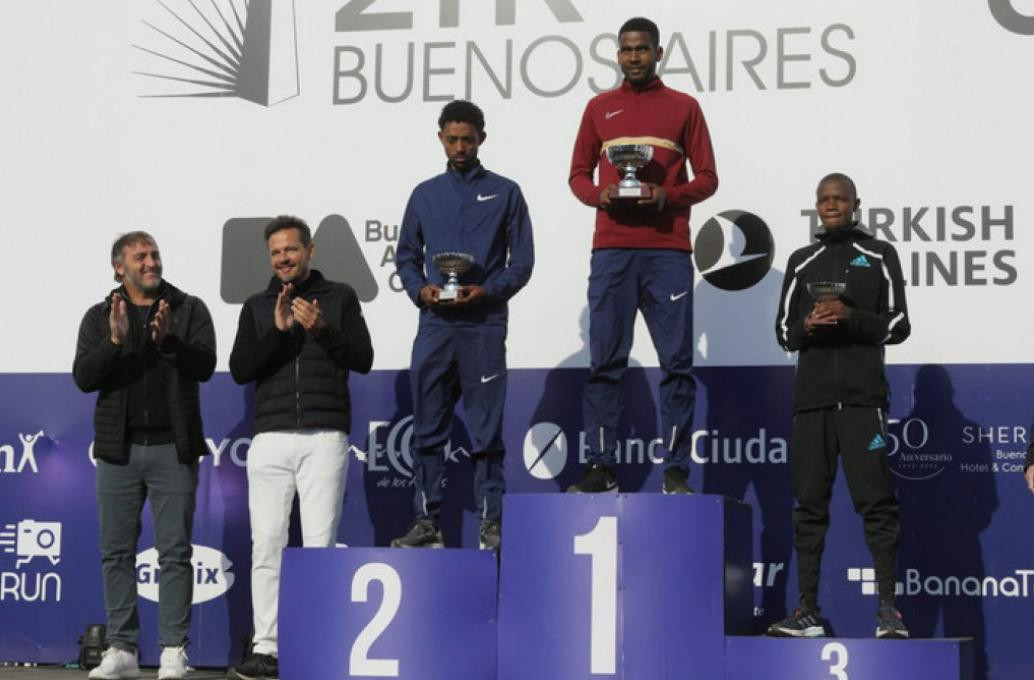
x=199, y=120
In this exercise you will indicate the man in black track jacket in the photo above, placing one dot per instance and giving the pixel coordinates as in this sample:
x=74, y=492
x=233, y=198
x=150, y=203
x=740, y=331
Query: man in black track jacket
x=144, y=350
x=843, y=300
x=297, y=340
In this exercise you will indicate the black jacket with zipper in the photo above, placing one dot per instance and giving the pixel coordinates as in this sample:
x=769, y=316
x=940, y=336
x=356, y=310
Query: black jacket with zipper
x=302, y=378
x=845, y=365
x=185, y=358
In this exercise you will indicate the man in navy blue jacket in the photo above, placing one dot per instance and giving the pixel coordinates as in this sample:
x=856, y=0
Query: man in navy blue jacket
x=460, y=346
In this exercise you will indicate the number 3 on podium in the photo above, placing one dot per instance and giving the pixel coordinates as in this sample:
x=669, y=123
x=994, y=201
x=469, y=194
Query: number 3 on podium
x=838, y=651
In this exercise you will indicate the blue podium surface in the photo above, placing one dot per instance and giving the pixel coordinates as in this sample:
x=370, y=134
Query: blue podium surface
x=761, y=658
x=626, y=586
x=387, y=613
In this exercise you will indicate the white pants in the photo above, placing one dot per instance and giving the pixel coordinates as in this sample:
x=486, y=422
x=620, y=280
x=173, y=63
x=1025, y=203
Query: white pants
x=312, y=462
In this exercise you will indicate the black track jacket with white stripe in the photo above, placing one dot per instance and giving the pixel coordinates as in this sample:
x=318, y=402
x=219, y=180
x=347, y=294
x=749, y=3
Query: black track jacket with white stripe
x=844, y=366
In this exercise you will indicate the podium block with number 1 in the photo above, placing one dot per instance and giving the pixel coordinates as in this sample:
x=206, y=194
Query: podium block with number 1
x=621, y=586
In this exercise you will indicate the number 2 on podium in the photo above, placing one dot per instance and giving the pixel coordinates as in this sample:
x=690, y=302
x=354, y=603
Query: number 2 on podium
x=359, y=661
x=601, y=544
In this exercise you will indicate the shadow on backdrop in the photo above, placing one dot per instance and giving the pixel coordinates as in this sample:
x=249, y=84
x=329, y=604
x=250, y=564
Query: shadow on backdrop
x=746, y=455
x=638, y=421
x=943, y=512
x=234, y=540
x=737, y=327
x=749, y=410
x=389, y=494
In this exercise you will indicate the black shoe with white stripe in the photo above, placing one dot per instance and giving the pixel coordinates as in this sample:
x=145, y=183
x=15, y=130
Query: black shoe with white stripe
x=889, y=624
x=490, y=535
x=423, y=533
x=802, y=623
x=597, y=478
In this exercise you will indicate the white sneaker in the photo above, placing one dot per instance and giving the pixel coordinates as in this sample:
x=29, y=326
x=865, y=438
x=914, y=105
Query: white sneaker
x=173, y=664
x=116, y=664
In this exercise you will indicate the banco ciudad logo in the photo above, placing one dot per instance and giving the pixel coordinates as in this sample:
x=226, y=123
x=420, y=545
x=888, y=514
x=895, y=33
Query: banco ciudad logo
x=245, y=261
x=220, y=48
x=545, y=450
x=733, y=250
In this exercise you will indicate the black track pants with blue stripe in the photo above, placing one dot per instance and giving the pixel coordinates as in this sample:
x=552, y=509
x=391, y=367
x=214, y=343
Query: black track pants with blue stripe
x=857, y=436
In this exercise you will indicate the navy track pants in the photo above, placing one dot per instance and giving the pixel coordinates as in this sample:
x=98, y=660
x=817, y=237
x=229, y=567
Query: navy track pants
x=447, y=362
x=660, y=284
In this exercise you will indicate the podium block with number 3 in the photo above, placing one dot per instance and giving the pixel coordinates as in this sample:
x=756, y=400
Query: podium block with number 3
x=621, y=586
x=848, y=659
x=387, y=613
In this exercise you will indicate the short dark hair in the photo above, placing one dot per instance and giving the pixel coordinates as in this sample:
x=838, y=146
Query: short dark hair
x=840, y=177
x=642, y=25
x=462, y=111
x=282, y=222
x=124, y=241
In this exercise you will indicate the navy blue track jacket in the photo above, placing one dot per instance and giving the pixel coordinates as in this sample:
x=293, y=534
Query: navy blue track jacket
x=477, y=212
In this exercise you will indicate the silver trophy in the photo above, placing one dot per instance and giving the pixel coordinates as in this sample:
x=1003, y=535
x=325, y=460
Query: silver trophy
x=629, y=158
x=452, y=265
x=826, y=290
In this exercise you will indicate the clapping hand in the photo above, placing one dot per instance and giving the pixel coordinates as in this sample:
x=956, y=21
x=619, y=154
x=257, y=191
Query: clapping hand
x=118, y=320
x=161, y=324
x=308, y=314
x=283, y=316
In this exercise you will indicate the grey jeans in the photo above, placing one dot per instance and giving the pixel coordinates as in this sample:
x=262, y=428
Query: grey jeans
x=154, y=473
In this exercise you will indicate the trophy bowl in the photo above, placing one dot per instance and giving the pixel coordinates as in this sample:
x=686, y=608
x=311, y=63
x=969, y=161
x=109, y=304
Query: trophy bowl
x=826, y=290
x=629, y=158
x=452, y=265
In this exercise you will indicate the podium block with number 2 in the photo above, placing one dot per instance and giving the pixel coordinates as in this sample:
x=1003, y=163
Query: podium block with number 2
x=387, y=613
x=621, y=586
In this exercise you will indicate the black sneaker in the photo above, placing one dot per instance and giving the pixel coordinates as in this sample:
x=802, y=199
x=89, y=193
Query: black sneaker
x=889, y=624
x=490, y=535
x=257, y=667
x=802, y=623
x=597, y=478
x=422, y=534
x=676, y=480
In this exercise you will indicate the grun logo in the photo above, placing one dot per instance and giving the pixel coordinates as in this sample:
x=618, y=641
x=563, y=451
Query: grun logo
x=734, y=250
x=222, y=48
x=27, y=540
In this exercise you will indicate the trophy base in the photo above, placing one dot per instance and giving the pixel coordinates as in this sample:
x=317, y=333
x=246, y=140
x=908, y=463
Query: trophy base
x=636, y=193
x=447, y=296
